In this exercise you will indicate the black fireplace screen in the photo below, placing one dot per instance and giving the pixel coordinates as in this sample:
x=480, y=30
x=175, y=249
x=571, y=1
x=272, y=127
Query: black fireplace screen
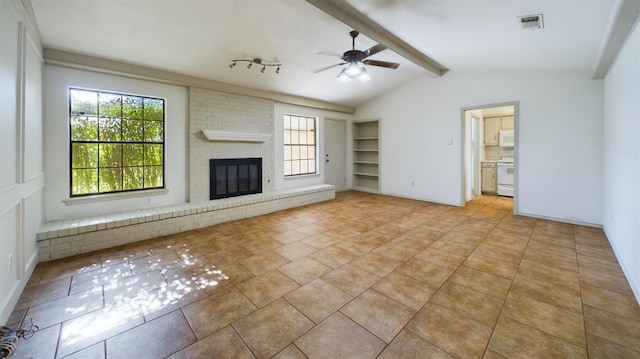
x=234, y=177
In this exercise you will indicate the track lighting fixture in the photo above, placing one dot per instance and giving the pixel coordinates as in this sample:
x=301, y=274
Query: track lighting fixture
x=256, y=61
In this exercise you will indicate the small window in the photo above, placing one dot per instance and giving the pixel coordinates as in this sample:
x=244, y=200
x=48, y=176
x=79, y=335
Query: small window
x=117, y=142
x=299, y=145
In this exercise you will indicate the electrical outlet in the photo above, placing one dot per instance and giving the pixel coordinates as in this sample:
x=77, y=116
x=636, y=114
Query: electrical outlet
x=10, y=262
x=147, y=200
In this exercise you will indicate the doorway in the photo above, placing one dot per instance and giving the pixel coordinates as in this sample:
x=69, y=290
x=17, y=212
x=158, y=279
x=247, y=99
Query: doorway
x=488, y=134
x=335, y=153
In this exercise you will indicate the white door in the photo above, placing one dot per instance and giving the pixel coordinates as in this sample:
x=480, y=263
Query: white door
x=335, y=153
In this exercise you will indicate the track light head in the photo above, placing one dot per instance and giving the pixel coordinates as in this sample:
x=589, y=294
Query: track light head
x=258, y=62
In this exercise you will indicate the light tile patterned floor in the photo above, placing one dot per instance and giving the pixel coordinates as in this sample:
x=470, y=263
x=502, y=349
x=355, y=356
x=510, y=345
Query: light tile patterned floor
x=362, y=276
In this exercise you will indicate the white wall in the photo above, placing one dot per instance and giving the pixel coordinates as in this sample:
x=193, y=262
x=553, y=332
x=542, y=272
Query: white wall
x=298, y=181
x=622, y=159
x=559, y=137
x=57, y=81
x=21, y=173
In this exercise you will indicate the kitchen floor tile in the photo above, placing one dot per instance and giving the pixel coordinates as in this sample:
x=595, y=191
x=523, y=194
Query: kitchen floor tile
x=143, y=341
x=469, y=303
x=487, y=283
x=450, y=331
x=268, y=287
x=335, y=338
x=410, y=346
x=545, y=317
x=333, y=256
x=426, y=272
x=613, y=327
x=296, y=250
x=83, y=331
x=376, y=264
x=265, y=262
x=351, y=279
x=514, y=339
x=406, y=290
x=318, y=299
x=492, y=265
x=304, y=270
x=225, y=343
x=213, y=313
x=272, y=328
x=379, y=314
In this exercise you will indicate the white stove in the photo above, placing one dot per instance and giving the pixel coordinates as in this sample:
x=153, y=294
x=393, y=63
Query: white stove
x=505, y=177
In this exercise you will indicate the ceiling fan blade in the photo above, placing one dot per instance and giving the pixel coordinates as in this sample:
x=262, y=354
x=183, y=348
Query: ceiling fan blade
x=391, y=65
x=371, y=51
x=328, y=54
x=328, y=67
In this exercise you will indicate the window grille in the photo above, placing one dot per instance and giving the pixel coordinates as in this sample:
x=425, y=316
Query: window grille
x=116, y=142
x=299, y=145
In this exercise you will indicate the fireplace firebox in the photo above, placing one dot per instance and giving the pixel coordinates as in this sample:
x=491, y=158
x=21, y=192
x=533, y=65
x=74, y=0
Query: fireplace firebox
x=234, y=177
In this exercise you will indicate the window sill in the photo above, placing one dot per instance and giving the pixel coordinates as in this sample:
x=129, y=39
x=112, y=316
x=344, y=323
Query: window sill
x=286, y=178
x=114, y=196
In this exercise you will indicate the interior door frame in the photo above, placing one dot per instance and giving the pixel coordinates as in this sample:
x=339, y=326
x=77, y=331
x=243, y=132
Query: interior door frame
x=463, y=147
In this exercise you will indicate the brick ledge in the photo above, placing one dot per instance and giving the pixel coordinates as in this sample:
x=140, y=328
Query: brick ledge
x=61, y=238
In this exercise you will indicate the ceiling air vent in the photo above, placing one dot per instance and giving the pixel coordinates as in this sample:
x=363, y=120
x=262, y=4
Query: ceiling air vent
x=531, y=22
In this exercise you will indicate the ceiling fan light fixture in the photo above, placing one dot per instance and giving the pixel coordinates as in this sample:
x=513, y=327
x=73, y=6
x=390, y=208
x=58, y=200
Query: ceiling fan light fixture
x=353, y=69
x=364, y=75
x=342, y=76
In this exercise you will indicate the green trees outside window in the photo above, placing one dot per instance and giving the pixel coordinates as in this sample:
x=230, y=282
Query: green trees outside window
x=117, y=142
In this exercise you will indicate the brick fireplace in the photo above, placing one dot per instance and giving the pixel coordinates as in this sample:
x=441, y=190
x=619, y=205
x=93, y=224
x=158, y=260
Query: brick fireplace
x=228, y=113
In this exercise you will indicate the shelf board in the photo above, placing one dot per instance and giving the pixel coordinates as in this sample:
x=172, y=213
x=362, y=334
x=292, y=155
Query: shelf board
x=366, y=189
x=365, y=162
x=363, y=150
x=365, y=174
x=365, y=138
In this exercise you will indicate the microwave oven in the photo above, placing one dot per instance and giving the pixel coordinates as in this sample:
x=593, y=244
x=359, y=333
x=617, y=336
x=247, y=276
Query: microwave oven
x=507, y=138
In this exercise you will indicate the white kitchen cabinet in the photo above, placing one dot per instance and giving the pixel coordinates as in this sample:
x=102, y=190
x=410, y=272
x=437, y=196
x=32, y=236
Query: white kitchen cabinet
x=491, y=130
x=507, y=123
x=366, y=155
x=489, y=182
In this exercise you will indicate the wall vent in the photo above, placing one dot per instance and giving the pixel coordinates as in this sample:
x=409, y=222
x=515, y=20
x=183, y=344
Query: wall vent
x=531, y=22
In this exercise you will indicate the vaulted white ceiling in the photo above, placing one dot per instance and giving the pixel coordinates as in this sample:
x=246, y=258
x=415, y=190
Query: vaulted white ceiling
x=201, y=37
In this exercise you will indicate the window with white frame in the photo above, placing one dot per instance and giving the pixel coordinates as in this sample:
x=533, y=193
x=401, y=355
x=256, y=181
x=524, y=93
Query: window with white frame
x=299, y=145
x=116, y=142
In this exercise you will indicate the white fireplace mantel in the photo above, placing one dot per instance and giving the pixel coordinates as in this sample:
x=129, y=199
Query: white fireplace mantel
x=235, y=136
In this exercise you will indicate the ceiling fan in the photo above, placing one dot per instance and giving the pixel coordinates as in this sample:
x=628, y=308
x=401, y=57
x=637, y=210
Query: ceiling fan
x=356, y=59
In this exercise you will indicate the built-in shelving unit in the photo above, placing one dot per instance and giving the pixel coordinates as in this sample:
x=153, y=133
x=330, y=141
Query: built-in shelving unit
x=366, y=155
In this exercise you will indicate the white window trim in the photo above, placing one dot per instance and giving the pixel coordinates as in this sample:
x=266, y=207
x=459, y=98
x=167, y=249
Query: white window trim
x=114, y=196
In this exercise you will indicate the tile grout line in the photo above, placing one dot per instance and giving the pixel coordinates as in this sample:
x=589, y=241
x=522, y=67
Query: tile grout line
x=504, y=302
